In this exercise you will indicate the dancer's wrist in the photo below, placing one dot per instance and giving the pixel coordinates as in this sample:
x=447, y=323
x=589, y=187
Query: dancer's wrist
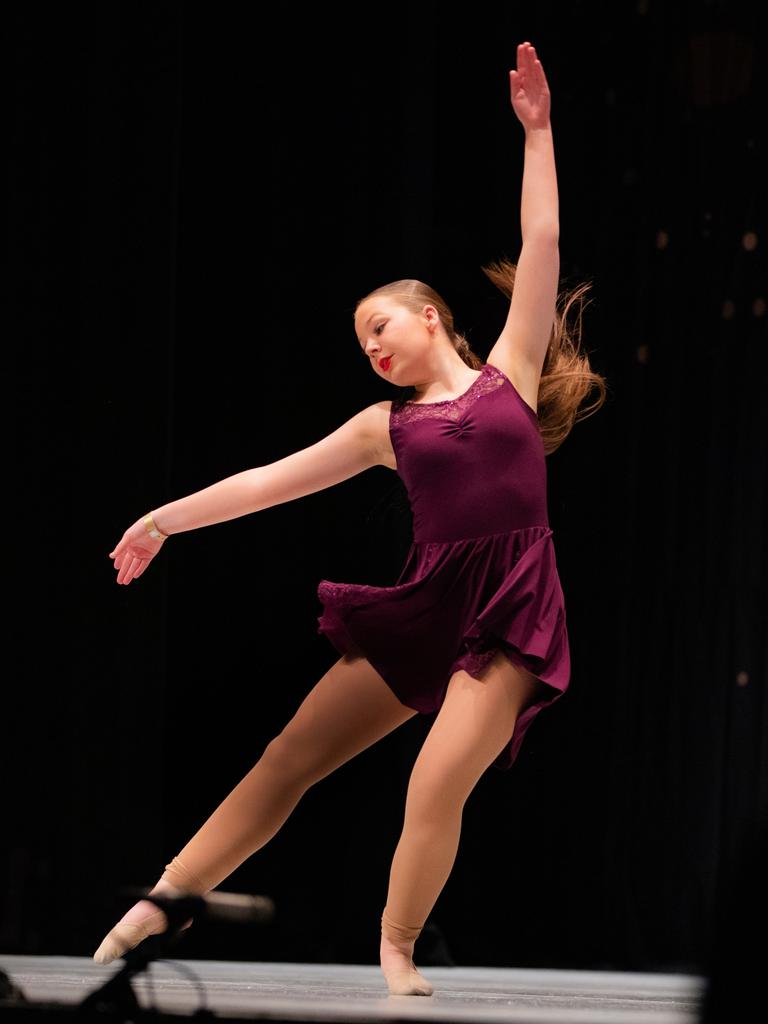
x=155, y=529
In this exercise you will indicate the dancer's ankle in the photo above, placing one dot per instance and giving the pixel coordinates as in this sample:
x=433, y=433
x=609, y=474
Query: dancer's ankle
x=179, y=877
x=399, y=934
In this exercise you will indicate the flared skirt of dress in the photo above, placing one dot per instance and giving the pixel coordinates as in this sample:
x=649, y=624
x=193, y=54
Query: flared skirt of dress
x=455, y=604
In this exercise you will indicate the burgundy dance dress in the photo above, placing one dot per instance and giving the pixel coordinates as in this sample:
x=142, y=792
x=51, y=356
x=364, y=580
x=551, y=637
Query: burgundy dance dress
x=480, y=576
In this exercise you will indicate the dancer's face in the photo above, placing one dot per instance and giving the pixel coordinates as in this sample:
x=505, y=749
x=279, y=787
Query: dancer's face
x=385, y=328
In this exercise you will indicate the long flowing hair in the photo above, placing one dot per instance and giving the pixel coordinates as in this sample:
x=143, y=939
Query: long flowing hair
x=566, y=378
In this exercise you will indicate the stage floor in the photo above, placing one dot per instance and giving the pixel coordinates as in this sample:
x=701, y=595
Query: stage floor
x=355, y=992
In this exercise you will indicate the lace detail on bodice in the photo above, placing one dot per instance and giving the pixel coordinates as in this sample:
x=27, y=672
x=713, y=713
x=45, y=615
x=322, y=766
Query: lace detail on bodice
x=450, y=408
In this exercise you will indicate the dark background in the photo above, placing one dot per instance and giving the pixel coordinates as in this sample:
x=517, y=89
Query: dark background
x=197, y=196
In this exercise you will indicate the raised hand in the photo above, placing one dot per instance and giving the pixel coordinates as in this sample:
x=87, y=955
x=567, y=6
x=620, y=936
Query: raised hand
x=529, y=89
x=134, y=552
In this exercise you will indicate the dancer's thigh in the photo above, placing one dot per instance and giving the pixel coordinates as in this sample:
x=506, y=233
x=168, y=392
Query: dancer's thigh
x=349, y=709
x=472, y=727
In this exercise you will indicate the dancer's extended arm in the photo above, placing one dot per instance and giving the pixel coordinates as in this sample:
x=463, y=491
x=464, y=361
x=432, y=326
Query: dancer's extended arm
x=349, y=450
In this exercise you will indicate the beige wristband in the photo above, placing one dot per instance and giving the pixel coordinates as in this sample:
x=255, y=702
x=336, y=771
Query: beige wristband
x=152, y=529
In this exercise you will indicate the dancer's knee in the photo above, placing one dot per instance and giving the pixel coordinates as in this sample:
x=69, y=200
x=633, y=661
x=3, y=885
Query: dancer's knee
x=301, y=759
x=291, y=760
x=435, y=795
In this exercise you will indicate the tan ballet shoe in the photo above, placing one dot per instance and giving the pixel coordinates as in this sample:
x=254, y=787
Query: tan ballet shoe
x=177, y=880
x=403, y=981
x=128, y=934
x=125, y=936
x=407, y=983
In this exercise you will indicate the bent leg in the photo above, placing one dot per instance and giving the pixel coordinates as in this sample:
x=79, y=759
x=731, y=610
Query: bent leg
x=348, y=710
x=472, y=727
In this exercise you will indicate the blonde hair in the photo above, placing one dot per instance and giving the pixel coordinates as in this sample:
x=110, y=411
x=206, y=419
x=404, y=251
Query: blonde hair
x=566, y=377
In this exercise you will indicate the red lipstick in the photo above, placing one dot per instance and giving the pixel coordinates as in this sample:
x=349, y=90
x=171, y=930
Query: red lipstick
x=385, y=362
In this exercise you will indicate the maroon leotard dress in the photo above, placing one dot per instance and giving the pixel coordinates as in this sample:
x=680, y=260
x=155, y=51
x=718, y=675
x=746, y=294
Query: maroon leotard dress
x=480, y=576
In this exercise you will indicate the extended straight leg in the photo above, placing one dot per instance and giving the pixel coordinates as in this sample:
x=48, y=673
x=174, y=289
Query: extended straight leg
x=349, y=709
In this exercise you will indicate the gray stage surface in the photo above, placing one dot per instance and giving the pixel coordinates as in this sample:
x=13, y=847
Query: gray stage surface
x=354, y=992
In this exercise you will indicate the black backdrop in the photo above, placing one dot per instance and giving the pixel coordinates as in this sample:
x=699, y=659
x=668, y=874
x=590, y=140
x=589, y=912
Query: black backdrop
x=195, y=203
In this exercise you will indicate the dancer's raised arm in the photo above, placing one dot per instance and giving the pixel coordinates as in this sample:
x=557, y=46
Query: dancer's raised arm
x=349, y=450
x=522, y=346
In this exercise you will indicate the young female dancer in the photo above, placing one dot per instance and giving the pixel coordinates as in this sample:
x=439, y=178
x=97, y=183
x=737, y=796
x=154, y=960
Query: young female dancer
x=475, y=626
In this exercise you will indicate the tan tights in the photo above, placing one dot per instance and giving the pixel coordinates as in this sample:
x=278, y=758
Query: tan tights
x=348, y=710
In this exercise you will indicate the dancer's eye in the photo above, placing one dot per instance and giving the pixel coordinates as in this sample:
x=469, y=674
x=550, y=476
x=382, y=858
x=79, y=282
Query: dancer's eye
x=375, y=331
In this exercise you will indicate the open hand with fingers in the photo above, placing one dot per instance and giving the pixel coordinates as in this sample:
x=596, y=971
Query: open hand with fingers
x=530, y=95
x=135, y=550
